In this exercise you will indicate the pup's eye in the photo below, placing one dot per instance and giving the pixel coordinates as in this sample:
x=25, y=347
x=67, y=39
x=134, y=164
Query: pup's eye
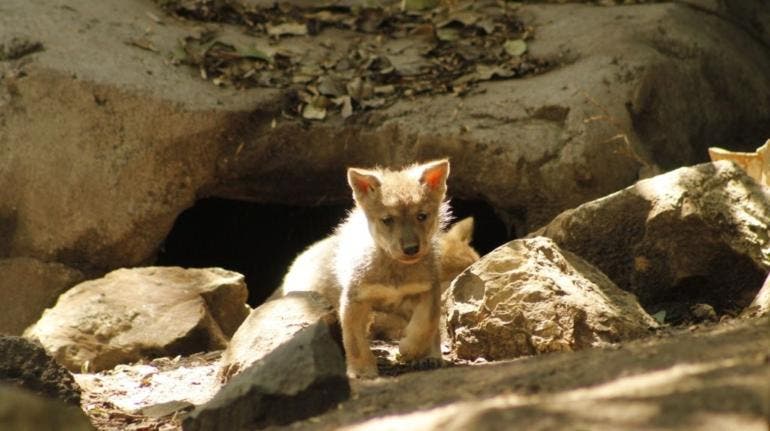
x=387, y=221
x=422, y=216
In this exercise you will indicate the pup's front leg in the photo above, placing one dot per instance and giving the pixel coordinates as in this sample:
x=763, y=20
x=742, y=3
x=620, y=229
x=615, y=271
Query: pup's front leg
x=421, y=339
x=354, y=318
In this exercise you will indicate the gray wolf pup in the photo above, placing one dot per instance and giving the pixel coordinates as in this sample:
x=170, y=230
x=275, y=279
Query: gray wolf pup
x=385, y=251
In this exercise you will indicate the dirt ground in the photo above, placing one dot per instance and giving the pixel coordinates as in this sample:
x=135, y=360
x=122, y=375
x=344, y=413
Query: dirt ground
x=714, y=376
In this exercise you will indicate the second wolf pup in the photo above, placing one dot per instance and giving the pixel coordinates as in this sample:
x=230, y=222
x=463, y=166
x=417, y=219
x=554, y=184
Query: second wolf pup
x=385, y=251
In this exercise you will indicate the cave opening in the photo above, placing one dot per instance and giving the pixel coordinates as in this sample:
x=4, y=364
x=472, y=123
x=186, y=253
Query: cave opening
x=261, y=240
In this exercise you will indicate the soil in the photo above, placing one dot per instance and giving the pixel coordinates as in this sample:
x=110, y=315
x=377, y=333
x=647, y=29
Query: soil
x=707, y=376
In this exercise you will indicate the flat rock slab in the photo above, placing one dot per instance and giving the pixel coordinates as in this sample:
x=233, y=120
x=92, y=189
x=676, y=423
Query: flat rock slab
x=301, y=378
x=27, y=365
x=144, y=312
x=23, y=410
x=273, y=324
x=693, y=235
x=715, y=377
x=529, y=296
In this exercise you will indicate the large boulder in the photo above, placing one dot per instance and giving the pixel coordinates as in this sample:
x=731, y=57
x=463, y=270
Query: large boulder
x=27, y=365
x=529, y=296
x=134, y=313
x=30, y=286
x=273, y=324
x=301, y=378
x=693, y=235
x=616, y=107
x=99, y=157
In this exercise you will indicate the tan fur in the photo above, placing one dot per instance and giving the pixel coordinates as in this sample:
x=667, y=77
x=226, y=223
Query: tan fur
x=385, y=251
x=756, y=164
x=455, y=255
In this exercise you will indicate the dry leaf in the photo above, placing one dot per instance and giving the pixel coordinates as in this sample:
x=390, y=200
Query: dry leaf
x=515, y=48
x=287, y=28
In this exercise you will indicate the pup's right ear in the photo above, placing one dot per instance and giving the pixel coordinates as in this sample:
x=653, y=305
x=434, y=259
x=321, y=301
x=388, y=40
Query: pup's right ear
x=364, y=183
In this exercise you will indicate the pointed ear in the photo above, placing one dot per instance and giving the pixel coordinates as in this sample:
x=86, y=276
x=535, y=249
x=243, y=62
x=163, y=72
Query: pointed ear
x=462, y=230
x=363, y=183
x=434, y=175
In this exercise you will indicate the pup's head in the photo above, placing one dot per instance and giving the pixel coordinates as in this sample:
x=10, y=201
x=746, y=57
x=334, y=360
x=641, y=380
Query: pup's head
x=404, y=208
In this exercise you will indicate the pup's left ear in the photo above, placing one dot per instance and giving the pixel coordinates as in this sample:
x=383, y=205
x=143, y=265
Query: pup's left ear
x=434, y=175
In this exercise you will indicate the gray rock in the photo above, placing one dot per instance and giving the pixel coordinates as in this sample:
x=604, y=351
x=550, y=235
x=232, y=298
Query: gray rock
x=143, y=312
x=528, y=297
x=760, y=305
x=301, y=378
x=273, y=324
x=27, y=365
x=30, y=286
x=21, y=410
x=696, y=234
x=100, y=157
x=751, y=16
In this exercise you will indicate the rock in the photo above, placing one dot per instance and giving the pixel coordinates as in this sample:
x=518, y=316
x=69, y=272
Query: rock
x=21, y=410
x=100, y=157
x=27, y=365
x=693, y=235
x=166, y=409
x=534, y=147
x=300, y=378
x=751, y=16
x=30, y=286
x=529, y=296
x=712, y=378
x=134, y=313
x=126, y=145
x=704, y=312
x=760, y=305
x=273, y=324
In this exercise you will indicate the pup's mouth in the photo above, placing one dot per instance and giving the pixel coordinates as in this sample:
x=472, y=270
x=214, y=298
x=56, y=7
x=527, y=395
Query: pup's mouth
x=409, y=259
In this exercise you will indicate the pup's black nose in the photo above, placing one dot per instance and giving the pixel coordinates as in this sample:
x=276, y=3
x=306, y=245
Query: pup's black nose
x=411, y=250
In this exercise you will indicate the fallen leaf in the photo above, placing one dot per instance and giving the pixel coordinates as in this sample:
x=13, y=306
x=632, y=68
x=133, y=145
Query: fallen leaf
x=447, y=34
x=250, y=52
x=465, y=18
x=419, y=4
x=287, y=28
x=384, y=89
x=329, y=86
x=143, y=43
x=316, y=109
x=660, y=316
x=347, y=105
x=515, y=47
x=373, y=103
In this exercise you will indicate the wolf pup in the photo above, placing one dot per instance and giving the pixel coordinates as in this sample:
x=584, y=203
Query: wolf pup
x=455, y=254
x=385, y=251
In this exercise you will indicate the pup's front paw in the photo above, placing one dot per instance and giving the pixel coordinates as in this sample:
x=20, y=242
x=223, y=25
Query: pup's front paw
x=362, y=370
